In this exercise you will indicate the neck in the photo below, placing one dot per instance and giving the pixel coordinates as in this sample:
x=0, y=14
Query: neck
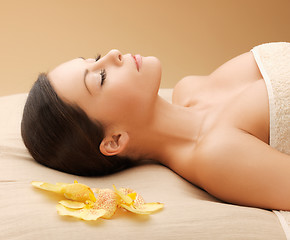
x=171, y=129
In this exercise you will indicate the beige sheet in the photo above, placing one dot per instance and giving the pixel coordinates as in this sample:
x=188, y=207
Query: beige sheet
x=189, y=213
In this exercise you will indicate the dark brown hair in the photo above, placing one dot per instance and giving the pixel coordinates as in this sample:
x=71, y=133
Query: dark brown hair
x=61, y=136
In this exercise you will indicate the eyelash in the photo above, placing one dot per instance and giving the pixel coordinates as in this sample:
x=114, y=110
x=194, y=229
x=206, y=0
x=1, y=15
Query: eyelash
x=103, y=76
x=98, y=57
x=103, y=71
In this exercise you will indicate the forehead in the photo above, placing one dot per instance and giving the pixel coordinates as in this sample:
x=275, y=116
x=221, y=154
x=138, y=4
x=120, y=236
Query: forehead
x=67, y=79
x=66, y=68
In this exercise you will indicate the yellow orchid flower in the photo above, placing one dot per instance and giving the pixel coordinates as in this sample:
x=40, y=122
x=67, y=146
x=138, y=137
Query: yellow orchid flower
x=83, y=204
x=136, y=203
x=76, y=191
x=85, y=213
x=105, y=206
x=106, y=200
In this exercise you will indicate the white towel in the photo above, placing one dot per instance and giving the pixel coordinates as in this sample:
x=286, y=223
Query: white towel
x=273, y=60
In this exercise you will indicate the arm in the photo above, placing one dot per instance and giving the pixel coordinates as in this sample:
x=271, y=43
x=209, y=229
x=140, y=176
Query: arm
x=241, y=169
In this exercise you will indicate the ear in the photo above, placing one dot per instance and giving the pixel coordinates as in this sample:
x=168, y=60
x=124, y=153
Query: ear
x=115, y=144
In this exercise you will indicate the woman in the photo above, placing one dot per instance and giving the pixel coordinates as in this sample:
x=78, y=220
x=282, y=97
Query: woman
x=97, y=116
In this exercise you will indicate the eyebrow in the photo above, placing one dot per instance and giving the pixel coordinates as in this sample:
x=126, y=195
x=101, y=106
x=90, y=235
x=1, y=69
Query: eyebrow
x=85, y=75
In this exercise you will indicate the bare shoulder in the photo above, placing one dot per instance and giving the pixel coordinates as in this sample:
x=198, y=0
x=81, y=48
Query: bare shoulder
x=238, y=70
x=239, y=168
x=231, y=75
x=187, y=87
x=230, y=146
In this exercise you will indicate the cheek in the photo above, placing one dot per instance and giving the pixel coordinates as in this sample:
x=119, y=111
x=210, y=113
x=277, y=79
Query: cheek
x=125, y=90
x=119, y=103
x=129, y=97
x=128, y=100
x=126, y=107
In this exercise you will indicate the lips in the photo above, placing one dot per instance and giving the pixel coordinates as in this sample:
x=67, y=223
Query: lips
x=138, y=60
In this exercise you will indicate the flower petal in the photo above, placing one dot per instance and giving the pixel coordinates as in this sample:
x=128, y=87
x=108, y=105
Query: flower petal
x=61, y=184
x=138, y=198
x=72, y=204
x=123, y=196
x=85, y=214
x=107, y=200
x=146, y=208
x=36, y=184
x=132, y=195
x=78, y=192
x=47, y=186
x=83, y=204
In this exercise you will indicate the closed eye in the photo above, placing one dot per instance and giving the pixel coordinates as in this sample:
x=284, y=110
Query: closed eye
x=98, y=57
x=103, y=76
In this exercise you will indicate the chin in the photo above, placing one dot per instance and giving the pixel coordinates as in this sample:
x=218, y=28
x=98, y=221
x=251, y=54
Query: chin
x=154, y=61
x=153, y=72
x=155, y=66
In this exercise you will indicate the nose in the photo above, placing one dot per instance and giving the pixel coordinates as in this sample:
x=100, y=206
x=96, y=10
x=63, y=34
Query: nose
x=114, y=56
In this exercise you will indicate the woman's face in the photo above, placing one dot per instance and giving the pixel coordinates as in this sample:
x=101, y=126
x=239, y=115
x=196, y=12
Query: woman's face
x=114, y=89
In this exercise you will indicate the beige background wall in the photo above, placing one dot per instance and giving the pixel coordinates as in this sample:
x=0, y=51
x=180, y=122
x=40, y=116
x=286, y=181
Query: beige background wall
x=188, y=36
